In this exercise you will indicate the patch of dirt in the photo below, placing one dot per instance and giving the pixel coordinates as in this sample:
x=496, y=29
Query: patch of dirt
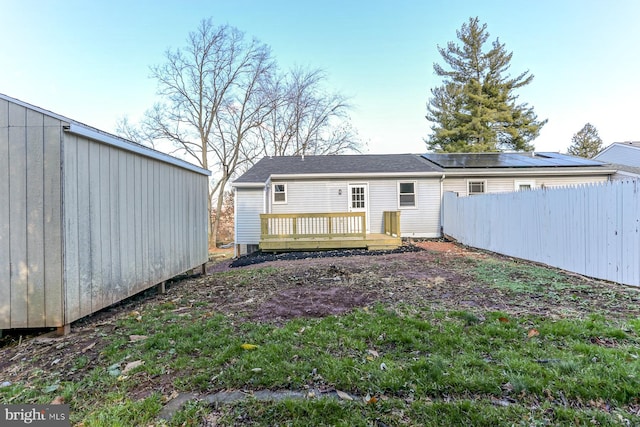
x=306, y=302
x=448, y=248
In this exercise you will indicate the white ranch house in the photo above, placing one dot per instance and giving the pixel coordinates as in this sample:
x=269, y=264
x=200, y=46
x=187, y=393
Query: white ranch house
x=277, y=189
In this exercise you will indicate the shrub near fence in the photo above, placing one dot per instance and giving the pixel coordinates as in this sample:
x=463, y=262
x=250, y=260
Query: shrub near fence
x=588, y=229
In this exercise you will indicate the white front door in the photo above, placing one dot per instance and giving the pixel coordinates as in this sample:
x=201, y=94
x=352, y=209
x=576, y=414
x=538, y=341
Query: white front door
x=359, y=200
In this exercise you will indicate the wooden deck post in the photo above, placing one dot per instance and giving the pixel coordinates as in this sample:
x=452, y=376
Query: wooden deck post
x=264, y=227
x=161, y=287
x=63, y=330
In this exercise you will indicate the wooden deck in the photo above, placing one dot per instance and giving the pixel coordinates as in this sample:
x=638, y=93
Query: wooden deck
x=324, y=231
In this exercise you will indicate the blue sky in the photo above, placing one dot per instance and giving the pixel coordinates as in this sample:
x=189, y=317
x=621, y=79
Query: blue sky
x=89, y=60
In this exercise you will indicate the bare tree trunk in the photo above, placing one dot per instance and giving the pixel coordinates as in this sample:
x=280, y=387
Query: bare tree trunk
x=215, y=223
x=212, y=237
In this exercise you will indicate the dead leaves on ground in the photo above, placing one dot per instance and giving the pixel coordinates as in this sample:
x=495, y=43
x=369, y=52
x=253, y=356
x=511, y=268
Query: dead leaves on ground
x=132, y=365
x=533, y=333
x=344, y=396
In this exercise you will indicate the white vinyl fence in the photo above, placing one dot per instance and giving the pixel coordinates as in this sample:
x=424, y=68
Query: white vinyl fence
x=591, y=229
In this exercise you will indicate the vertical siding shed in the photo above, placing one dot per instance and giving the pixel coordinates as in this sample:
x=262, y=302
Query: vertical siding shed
x=88, y=219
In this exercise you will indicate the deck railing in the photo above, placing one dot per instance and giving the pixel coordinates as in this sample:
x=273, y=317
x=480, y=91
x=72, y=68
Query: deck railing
x=392, y=223
x=307, y=225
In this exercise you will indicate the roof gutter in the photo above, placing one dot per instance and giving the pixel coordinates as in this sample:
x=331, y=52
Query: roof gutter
x=531, y=171
x=433, y=174
x=123, y=144
x=248, y=184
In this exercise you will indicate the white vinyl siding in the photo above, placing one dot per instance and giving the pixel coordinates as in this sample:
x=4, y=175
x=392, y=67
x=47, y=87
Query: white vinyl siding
x=249, y=206
x=421, y=222
x=332, y=196
x=314, y=196
x=504, y=184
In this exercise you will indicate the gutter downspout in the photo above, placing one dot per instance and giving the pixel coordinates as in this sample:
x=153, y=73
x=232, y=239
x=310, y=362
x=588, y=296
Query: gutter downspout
x=266, y=197
x=441, y=204
x=235, y=223
x=266, y=203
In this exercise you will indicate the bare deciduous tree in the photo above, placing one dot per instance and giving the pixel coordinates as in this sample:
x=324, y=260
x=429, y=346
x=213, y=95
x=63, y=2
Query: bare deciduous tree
x=212, y=96
x=305, y=119
x=134, y=133
x=223, y=104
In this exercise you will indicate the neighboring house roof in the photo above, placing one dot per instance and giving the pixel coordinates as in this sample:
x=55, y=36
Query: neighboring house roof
x=631, y=143
x=355, y=164
x=626, y=153
x=289, y=167
x=507, y=160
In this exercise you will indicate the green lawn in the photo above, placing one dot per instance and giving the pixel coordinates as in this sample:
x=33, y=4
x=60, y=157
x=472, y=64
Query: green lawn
x=403, y=365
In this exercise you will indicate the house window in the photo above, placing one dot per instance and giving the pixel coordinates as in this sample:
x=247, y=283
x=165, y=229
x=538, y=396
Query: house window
x=279, y=193
x=357, y=197
x=406, y=195
x=476, y=187
x=524, y=185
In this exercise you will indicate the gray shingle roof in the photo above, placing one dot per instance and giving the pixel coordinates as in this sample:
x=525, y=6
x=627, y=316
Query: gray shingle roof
x=370, y=164
x=341, y=164
x=626, y=168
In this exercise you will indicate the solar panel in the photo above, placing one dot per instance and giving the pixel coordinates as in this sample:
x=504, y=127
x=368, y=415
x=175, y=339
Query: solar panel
x=507, y=160
x=579, y=161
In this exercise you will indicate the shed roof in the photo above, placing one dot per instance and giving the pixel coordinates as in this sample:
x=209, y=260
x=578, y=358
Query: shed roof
x=351, y=164
x=90, y=132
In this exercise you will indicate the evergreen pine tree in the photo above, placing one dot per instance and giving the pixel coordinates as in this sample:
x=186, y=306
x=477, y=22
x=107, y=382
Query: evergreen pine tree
x=586, y=143
x=475, y=109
